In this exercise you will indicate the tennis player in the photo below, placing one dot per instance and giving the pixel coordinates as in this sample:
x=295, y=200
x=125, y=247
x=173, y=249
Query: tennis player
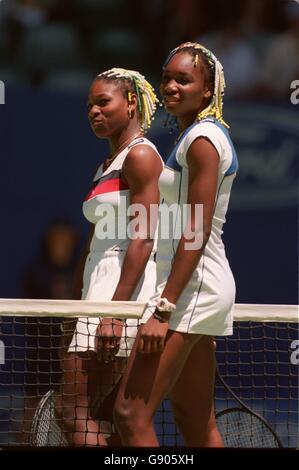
x=121, y=105
x=195, y=293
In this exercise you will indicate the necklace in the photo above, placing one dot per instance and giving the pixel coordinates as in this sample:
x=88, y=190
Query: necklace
x=110, y=159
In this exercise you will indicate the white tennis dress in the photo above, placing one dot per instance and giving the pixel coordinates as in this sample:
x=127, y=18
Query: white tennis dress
x=206, y=304
x=108, y=198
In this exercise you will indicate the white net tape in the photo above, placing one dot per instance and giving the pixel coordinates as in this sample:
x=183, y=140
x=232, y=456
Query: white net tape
x=121, y=309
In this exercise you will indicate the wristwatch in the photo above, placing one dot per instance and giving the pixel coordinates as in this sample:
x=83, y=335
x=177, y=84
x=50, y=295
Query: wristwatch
x=163, y=305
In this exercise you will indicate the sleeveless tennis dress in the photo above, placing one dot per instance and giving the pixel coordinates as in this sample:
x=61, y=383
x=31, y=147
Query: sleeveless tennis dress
x=206, y=304
x=109, y=198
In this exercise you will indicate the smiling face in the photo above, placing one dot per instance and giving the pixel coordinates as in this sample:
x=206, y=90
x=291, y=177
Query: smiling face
x=107, y=108
x=185, y=88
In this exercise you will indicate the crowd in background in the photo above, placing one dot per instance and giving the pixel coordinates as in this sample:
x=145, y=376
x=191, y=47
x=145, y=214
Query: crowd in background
x=63, y=44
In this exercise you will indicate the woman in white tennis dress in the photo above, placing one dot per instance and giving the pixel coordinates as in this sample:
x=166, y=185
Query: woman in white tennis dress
x=195, y=290
x=105, y=260
x=121, y=105
x=205, y=306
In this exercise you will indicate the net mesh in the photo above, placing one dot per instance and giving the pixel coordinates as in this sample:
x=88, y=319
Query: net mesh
x=259, y=362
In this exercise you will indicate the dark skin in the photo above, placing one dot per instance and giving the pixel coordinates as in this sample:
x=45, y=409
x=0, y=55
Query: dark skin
x=185, y=89
x=112, y=117
x=172, y=363
x=109, y=118
x=185, y=93
x=142, y=177
x=108, y=110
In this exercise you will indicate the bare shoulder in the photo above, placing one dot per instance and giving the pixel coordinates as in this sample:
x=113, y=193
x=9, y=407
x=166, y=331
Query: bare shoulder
x=143, y=158
x=201, y=150
x=142, y=151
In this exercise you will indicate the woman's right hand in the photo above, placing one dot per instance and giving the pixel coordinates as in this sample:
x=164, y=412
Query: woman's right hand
x=108, y=337
x=153, y=335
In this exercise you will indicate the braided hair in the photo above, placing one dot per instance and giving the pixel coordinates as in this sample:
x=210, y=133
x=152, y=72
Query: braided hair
x=214, y=77
x=134, y=82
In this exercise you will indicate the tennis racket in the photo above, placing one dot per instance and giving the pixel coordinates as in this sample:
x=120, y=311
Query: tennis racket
x=45, y=431
x=241, y=427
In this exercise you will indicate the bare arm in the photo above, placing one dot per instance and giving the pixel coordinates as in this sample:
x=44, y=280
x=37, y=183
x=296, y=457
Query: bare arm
x=141, y=169
x=203, y=160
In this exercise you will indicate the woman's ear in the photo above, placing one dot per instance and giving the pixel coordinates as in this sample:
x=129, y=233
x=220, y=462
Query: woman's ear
x=132, y=104
x=207, y=93
x=132, y=100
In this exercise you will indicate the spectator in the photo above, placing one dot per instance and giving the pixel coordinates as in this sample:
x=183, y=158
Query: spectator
x=281, y=66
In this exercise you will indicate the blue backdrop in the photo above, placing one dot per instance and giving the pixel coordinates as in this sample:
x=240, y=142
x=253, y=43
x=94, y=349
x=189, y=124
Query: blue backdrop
x=48, y=158
x=49, y=154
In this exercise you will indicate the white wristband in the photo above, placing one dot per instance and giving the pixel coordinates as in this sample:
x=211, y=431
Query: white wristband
x=163, y=305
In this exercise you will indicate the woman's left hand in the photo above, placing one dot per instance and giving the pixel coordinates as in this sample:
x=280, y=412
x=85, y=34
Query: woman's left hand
x=108, y=338
x=153, y=334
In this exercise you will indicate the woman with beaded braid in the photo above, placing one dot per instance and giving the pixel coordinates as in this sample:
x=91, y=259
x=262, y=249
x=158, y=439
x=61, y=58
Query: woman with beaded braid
x=121, y=105
x=195, y=291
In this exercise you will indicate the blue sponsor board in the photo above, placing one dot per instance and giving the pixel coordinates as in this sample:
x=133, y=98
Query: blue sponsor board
x=267, y=142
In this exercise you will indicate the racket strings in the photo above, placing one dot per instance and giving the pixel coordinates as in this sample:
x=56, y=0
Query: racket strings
x=240, y=428
x=45, y=431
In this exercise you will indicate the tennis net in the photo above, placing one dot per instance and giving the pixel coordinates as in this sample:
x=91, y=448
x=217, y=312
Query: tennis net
x=259, y=362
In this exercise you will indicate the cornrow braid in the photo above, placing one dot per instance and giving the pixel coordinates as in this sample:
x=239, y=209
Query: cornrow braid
x=215, y=76
x=146, y=98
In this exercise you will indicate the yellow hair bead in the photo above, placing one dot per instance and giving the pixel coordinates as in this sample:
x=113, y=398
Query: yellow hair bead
x=146, y=97
x=215, y=108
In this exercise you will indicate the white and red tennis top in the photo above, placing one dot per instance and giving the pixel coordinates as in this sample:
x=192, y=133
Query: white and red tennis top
x=107, y=202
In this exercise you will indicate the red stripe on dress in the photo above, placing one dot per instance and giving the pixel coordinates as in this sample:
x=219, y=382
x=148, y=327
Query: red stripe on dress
x=115, y=184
